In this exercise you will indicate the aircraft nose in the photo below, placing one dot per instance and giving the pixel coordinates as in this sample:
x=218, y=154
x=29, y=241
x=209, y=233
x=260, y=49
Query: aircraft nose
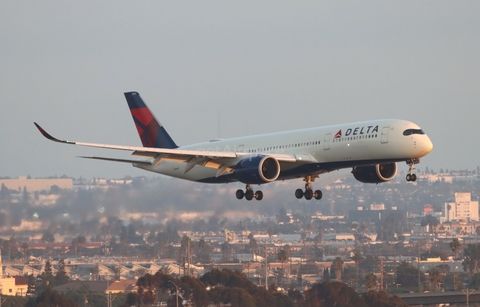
x=427, y=146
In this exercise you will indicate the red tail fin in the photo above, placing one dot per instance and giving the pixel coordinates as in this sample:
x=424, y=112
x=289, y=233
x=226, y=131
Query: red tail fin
x=149, y=129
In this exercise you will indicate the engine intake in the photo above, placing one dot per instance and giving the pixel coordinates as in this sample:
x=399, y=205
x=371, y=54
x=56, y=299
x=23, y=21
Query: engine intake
x=375, y=173
x=257, y=170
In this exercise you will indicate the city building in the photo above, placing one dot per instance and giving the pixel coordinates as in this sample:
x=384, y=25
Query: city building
x=462, y=209
x=36, y=184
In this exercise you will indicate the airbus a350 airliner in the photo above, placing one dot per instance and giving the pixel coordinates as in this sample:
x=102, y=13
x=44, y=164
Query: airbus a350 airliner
x=371, y=148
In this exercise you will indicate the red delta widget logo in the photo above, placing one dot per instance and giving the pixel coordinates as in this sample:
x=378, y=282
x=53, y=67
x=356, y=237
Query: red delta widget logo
x=357, y=131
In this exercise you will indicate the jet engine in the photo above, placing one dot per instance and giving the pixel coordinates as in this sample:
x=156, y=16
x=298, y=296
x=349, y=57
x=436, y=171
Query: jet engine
x=375, y=173
x=257, y=170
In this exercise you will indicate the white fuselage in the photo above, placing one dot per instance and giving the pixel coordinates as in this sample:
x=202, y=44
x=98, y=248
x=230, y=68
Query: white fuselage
x=325, y=148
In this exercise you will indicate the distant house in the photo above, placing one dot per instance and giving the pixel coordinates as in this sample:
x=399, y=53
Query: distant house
x=123, y=286
x=15, y=286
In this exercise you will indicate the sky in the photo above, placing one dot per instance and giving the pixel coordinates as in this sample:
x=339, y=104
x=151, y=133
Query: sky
x=210, y=69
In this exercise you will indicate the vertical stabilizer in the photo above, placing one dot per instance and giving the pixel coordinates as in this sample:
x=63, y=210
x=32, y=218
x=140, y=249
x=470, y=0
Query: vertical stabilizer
x=149, y=129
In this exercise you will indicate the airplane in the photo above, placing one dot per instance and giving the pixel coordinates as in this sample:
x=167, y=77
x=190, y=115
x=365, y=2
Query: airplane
x=371, y=148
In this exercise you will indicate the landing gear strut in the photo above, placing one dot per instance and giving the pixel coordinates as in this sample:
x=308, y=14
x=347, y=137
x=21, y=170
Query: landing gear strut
x=411, y=166
x=249, y=194
x=308, y=194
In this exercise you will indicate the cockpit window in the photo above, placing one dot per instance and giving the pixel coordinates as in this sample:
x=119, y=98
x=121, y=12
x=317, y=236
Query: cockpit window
x=413, y=131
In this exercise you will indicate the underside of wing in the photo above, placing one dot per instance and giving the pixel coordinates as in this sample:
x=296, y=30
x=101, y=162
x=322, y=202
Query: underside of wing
x=223, y=161
x=118, y=160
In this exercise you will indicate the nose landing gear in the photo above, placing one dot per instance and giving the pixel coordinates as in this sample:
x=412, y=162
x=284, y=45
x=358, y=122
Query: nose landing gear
x=411, y=166
x=249, y=194
x=309, y=193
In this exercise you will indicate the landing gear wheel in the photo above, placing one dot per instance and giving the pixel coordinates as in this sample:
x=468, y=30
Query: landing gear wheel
x=259, y=195
x=239, y=194
x=299, y=193
x=308, y=194
x=249, y=195
x=411, y=166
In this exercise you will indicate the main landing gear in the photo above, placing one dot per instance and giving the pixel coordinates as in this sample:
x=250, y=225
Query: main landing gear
x=411, y=166
x=249, y=194
x=308, y=194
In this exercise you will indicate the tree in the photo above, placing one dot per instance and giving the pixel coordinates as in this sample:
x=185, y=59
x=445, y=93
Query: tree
x=357, y=257
x=204, y=251
x=334, y=293
x=48, y=236
x=195, y=291
x=407, y=275
x=471, y=258
x=370, y=281
x=50, y=297
x=226, y=249
x=430, y=221
x=282, y=256
x=435, y=277
x=455, y=247
x=61, y=277
x=252, y=244
x=337, y=267
x=24, y=248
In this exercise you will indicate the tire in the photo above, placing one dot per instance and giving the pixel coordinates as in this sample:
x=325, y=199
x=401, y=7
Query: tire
x=414, y=177
x=299, y=193
x=259, y=195
x=308, y=194
x=318, y=195
x=409, y=177
x=249, y=195
x=239, y=194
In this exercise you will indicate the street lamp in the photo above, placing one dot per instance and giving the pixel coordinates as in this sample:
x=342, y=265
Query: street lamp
x=176, y=287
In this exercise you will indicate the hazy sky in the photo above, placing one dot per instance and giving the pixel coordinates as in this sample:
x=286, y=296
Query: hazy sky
x=232, y=68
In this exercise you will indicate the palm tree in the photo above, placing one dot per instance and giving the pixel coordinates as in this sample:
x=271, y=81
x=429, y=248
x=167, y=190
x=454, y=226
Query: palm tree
x=337, y=266
x=357, y=257
x=282, y=256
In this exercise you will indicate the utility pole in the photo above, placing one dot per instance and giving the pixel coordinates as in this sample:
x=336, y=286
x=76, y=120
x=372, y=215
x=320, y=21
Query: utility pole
x=381, y=274
x=266, y=266
x=418, y=265
x=467, y=293
x=188, y=256
x=394, y=265
x=2, y=300
x=109, y=295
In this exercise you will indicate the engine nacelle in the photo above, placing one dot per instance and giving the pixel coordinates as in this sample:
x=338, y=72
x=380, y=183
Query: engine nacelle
x=257, y=170
x=375, y=173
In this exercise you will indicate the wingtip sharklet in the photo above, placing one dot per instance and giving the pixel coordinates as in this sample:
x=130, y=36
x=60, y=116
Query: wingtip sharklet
x=49, y=136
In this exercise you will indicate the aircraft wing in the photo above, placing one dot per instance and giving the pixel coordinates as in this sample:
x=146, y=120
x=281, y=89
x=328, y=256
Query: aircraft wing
x=213, y=159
